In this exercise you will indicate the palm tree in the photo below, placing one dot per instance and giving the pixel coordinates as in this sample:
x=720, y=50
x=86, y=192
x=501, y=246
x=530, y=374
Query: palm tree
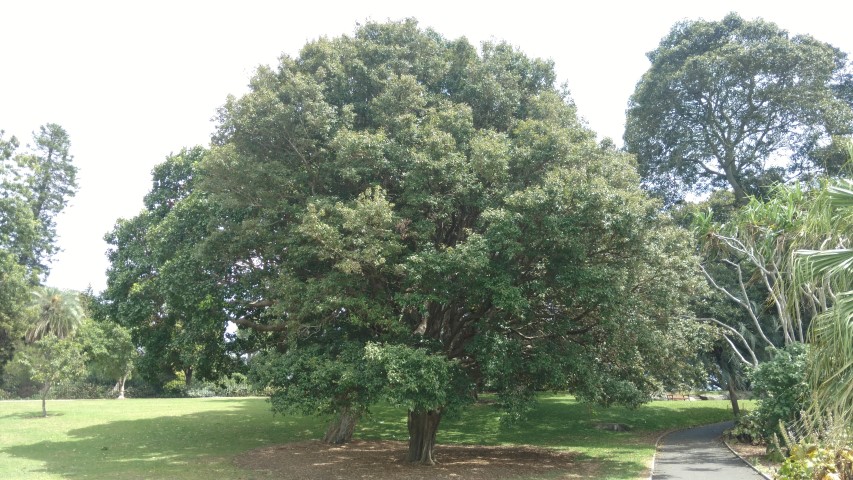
x=831, y=333
x=54, y=311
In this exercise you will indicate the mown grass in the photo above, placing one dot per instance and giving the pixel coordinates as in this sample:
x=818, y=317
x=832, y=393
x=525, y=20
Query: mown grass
x=199, y=438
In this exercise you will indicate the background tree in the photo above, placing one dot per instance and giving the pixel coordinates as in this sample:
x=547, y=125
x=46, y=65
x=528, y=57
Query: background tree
x=54, y=311
x=448, y=210
x=51, y=360
x=35, y=185
x=729, y=104
x=45, y=178
x=109, y=350
x=160, y=289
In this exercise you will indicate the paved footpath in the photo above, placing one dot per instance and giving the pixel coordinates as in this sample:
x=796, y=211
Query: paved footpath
x=699, y=454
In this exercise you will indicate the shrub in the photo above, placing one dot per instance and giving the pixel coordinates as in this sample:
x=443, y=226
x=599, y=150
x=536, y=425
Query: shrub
x=813, y=462
x=747, y=429
x=780, y=386
x=82, y=390
x=234, y=385
x=176, y=387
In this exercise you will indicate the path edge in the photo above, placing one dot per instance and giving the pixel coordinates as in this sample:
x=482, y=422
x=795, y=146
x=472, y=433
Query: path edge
x=756, y=470
x=657, y=445
x=660, y=438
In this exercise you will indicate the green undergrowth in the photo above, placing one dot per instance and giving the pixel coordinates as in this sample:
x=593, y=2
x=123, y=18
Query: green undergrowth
x=199, y=438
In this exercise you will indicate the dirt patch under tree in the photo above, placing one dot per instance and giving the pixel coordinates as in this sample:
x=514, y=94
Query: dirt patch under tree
x=384, y=460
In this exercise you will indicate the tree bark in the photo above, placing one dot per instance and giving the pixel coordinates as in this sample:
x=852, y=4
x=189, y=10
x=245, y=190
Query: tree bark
x=44, y=391
x=733, y=398
x=741, y=197
x=423, y=426
x=341, y=428
x=121, y=387
x=188, y=376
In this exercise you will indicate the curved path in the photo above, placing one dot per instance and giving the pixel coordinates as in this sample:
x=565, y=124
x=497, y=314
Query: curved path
x=699, y=454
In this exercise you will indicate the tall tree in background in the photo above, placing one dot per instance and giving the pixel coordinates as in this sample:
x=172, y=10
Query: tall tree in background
x=732, y=103
x=44, y=179
x=35, y=186
x=162, y=285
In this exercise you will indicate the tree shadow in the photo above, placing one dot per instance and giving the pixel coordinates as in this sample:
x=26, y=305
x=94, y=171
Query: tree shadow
x=32, y=415
x=203, y=445
x=166, y=446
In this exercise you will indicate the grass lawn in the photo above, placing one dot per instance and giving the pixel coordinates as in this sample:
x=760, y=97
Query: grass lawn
x=199, y=438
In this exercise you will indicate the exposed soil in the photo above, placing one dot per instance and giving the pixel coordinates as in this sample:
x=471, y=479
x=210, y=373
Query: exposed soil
x=385, y=460
x=756, y=455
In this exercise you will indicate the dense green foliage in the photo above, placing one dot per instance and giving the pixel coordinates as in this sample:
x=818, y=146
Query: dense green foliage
x=724, y=100
x=35, y=186
x=49, y=361
x=53, y=311
x=814, y=462
x=830, y=373
x=401, y=206
x=780, y=386
x=158, y=286
x=109, y=350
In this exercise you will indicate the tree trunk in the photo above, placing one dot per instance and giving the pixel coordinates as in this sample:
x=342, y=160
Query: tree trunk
x=44, y=391
x=423, y=426
x=121, y=388
x=741, y=197
x=733, y=398
x=188, y=376
x=341, y=428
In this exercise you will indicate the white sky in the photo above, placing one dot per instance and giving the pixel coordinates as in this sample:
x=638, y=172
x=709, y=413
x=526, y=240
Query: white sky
x=132, y=82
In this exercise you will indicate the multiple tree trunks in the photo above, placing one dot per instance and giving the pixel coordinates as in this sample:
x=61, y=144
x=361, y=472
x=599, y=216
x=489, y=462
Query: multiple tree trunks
x=423, y=426
x=341, y=428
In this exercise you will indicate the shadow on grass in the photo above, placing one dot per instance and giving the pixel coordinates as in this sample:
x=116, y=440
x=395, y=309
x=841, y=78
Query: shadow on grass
x=203, y=445
x=196, y=445
x=561, y=422
x=32, y=415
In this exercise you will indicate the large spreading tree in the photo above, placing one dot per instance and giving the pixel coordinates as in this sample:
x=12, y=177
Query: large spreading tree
x=398, y=216
x=733, y=104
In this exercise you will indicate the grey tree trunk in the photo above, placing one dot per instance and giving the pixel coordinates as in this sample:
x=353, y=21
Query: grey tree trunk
x=733, y=398
x=341, y=428
x=423, y=426
x=121, y=387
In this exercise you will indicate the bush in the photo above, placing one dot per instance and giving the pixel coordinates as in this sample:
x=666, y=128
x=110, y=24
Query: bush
x=176, y=387
x=234, y=385
x=747, y=430
x=82, y=390
x=780, y=386
x=813, y=462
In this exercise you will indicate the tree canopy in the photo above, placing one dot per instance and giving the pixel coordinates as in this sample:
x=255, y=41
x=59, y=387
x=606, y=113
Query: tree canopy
x=35, y=185
x=732, y=103
x=428, y=219
x=157, y=286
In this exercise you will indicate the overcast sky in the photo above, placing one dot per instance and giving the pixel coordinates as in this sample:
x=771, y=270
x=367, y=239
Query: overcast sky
x=132, y=82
